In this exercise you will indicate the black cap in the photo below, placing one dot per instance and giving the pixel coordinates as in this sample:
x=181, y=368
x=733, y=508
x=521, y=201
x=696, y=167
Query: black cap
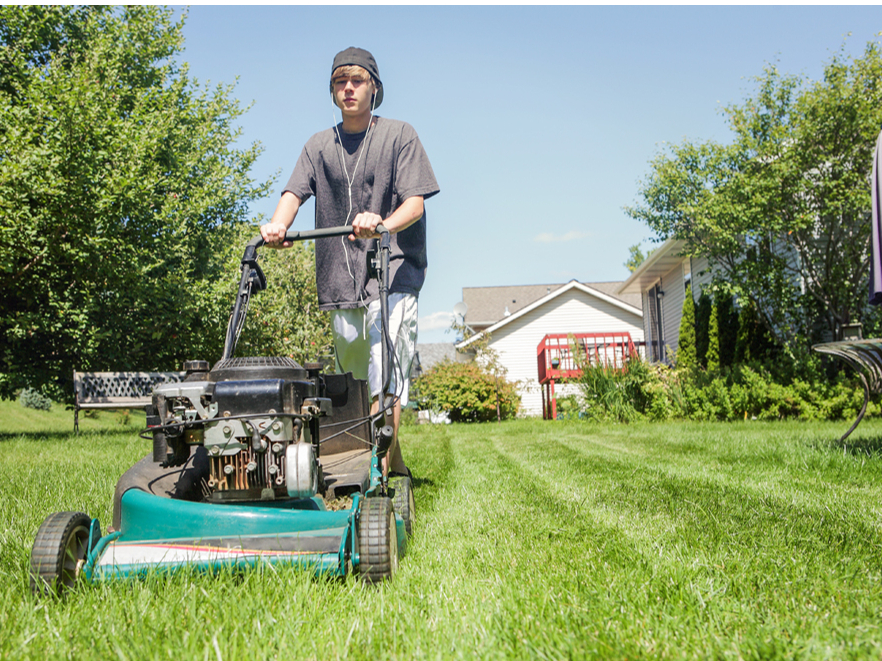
x=362, y=58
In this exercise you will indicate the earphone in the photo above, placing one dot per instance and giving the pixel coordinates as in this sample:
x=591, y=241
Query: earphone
x=350, y=180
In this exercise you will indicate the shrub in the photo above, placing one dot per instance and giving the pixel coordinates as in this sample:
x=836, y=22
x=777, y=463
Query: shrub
x=702, y=321
x=712, y=358
x=727, y=326
x=466, y=391
x=34, y=399
x=568, y=407
x=657, y=392
x=625, y=395
x=686, y=349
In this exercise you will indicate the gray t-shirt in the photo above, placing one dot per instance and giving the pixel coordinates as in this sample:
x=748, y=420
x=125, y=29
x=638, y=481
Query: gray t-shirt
x=385, y=169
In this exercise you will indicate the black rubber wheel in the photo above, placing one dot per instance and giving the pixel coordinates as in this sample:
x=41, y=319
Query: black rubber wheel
x=60, y=547
x=403, y=501
x=377, y=540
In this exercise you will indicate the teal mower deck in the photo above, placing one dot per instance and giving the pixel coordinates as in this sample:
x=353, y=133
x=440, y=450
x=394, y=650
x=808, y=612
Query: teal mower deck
x=255, y=460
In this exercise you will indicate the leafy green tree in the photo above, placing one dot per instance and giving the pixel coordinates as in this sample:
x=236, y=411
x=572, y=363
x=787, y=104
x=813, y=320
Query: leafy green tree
x=782, y=213
x=686, y=356
x=635, y=258
x=119, y=187
x=283, y=320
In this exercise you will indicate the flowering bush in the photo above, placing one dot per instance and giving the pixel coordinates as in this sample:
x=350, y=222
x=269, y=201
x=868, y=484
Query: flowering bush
x=468, y=392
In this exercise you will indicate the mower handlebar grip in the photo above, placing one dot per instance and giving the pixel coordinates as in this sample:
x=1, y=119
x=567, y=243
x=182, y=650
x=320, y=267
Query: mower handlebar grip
x=306, y=235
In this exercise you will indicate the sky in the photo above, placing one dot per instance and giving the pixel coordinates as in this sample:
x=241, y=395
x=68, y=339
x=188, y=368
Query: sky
x=540, y=122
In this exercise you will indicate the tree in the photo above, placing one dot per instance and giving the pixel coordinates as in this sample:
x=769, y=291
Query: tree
x=782, y=213
x=686, y=356
x=635, y=258
x=284, y=320
x=119, y=188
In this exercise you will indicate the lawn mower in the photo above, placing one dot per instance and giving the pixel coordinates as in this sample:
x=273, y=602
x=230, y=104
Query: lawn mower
x=257, y=459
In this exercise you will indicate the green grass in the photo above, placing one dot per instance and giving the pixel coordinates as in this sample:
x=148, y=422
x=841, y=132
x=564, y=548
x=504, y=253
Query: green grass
x=547, y=540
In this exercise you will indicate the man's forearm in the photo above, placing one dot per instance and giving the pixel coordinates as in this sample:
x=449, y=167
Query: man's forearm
x=410, y=211
x=286, y=209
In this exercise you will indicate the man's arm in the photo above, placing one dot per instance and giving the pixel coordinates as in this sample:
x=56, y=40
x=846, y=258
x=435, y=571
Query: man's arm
x=283, y=217
x=410, y=211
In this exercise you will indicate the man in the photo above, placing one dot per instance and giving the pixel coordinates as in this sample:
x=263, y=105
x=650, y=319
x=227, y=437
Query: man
x=364, y=171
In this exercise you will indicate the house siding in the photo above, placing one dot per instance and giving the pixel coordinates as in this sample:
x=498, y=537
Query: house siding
x=701, y=276
x=674, y=287
x=572, y=312
x=647, y=323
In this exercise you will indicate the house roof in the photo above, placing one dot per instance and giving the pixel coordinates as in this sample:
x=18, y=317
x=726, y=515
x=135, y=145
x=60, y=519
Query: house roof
x=433, y=353
x=659, y=262
x=550, y=295
x=487, y=305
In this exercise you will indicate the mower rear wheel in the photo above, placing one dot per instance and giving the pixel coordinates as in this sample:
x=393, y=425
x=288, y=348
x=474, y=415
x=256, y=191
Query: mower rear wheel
x=59, y=552
x=377, y=540
x=403, y=501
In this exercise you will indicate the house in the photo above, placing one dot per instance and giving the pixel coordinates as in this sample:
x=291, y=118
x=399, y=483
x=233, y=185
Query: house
x=660, y=282
x=518, y=318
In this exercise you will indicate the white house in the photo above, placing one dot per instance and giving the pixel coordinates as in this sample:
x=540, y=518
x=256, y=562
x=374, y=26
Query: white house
x=661, y=281
x=517, y=318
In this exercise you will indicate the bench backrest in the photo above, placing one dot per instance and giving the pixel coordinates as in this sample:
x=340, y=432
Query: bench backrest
x=124, y=388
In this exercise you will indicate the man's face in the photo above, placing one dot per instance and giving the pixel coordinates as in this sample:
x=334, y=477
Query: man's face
x=353, y=94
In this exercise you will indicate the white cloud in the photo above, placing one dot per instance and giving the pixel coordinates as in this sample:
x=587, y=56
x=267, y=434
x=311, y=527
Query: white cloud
x=436, y=321
x=572, y=235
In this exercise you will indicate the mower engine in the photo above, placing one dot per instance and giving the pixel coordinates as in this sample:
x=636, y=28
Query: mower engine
x=257, y=419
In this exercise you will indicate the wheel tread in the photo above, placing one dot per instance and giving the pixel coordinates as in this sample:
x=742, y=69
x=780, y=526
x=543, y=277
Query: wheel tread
x=376, y=537
x=47, y=553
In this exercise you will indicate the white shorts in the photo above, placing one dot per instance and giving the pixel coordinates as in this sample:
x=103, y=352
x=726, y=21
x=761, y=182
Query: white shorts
x=358, y=348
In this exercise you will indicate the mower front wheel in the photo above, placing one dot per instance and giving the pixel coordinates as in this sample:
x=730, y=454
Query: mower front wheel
x=59, y=552
x=377, y=540
x=403, y=501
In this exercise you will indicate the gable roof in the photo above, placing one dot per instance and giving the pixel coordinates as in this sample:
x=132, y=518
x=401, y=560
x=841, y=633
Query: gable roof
x=487, y=305
x=572, y=284
x=659, y=262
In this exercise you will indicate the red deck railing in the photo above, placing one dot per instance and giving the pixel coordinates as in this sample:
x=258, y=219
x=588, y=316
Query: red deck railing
x=556, y=360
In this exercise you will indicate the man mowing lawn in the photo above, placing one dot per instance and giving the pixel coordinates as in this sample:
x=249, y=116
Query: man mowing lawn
x=364, y=171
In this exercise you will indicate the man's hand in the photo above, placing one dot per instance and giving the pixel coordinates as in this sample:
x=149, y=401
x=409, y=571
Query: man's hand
x=364, y=226
x=273, y=235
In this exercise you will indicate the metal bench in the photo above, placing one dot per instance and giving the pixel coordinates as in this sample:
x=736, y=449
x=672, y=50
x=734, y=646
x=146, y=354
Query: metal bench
x=117, y=390
x=865, y=356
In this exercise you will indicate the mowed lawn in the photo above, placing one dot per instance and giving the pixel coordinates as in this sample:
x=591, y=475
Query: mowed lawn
x=547, y=540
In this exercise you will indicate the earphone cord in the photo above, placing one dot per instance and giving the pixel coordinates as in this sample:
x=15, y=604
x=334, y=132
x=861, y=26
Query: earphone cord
x=349, y=180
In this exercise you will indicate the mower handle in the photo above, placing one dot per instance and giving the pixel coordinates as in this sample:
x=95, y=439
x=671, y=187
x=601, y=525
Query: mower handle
x=306, y=235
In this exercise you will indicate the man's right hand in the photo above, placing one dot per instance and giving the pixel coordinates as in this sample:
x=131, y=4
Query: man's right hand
x=273, y=235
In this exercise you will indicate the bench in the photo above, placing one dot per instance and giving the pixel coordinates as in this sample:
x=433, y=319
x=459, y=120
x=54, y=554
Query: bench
x=117, y=390
x=865, y=356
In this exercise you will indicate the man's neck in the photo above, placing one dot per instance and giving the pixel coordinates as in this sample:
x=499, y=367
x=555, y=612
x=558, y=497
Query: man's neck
x=356, y=124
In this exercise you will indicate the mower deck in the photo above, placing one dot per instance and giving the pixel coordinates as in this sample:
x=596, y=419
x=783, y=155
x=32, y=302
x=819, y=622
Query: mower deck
x=159, y=525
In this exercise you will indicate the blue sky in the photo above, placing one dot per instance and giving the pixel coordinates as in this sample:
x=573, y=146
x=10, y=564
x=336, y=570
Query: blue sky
x=540, y=122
